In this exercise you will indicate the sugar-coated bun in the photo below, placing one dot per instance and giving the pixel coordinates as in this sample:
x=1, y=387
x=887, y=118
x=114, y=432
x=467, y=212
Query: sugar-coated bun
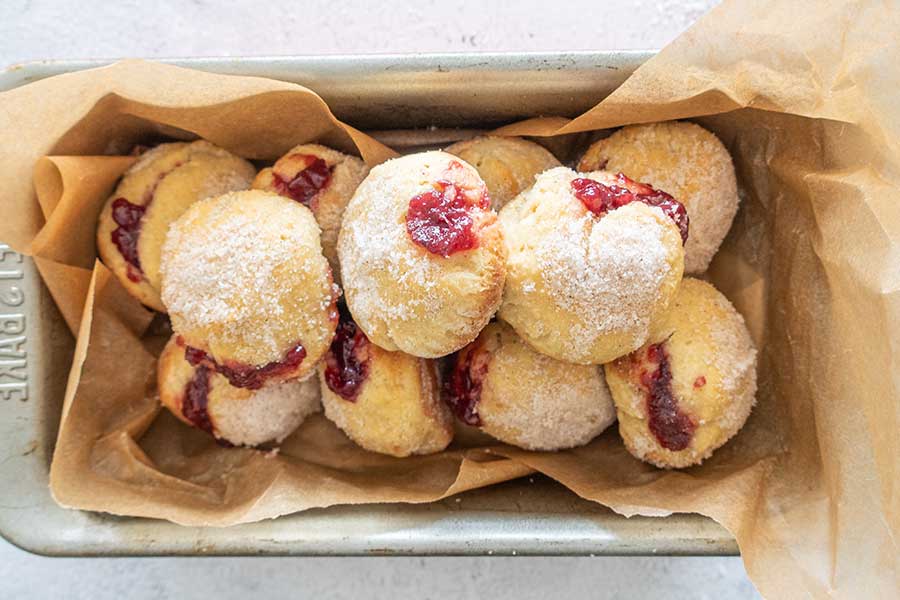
x=247, y=287
x=524, y=398
x=387, y=402
x=322, y=179
x=686, y=161
x=155, y=191
x=508, y=165
x=586, y=278
x=204, y=399
x=422, y=255
x=687, y=393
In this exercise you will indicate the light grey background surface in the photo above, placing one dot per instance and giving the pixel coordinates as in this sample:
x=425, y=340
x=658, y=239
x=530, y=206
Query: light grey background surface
x=40, y=29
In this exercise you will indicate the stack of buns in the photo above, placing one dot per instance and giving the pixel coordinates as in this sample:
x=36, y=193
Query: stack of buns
x=487, y=284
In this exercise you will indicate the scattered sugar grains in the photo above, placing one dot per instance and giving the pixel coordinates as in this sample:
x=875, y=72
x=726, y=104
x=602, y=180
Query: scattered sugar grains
x=222, y=273
x=556, y=411
x=373, y=238
x=376, y=237
x=270, y=413
x=735, y=360
x=608, y=275
x=710, y=325
x=389, y=281
x=687, y=161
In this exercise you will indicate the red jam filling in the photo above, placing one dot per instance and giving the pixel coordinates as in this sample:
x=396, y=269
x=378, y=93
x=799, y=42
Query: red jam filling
x=196, y=399
x=600, y=199
x=195, y=406
x=672, y=428
x=699, y=382
x=347, y=360
x=462, y=387
x=307, y=183
x=440, y=220
x=128, y=218
x=248, y=376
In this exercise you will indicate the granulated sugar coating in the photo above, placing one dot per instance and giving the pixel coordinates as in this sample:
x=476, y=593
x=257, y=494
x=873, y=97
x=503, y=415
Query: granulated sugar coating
x=403, y=296
x=268, y=414
x=536, y=402
x=245, y=280
x=239, y=416
x=686, y=161
x=508, y=165
x=161, y=185
x=713, y=377
x=344, y=173
x=582, y=288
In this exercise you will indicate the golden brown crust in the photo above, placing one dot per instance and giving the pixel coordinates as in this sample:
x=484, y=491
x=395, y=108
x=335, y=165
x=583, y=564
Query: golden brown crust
x=584, y=289
x=166, y=180
x=237, y=415
x=713, y=369
x=686, y=161
x=508, y=165
x=329, y=204
x=535, y=402
x=245, y=281
x=400, y=294
x=430, y=382
x=397, y=411
x=173, y=373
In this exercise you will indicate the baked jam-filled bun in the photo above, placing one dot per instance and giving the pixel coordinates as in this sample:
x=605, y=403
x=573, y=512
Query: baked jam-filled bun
x=500, y=384
x=508, y=165
x=200, y=397
x=248, y=289
x=387, y=402
x=594, y=260
x=155, y=191
x=422, y=255
x=687, y=393
x=320, y=178
x=688, y=162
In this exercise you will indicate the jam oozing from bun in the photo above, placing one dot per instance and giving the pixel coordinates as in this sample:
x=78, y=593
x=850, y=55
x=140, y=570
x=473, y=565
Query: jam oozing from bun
x=672, y=428
x=600, y=199
x=440, y=220
x=347, y=360
x=462, y=387
x=128, y=218
x=196, y=399
x=248, y=376
x=303, y=187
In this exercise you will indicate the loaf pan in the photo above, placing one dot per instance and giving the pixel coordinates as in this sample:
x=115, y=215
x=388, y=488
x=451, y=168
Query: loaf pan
x=530, y=516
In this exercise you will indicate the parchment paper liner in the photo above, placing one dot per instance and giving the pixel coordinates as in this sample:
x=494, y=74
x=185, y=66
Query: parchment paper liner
x=804, y=96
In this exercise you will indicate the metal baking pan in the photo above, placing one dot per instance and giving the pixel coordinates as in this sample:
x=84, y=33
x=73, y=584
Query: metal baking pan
x=531, y=516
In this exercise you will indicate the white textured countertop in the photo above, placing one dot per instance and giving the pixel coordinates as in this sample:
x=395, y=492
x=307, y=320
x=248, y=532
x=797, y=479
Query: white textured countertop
x=40, y=29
